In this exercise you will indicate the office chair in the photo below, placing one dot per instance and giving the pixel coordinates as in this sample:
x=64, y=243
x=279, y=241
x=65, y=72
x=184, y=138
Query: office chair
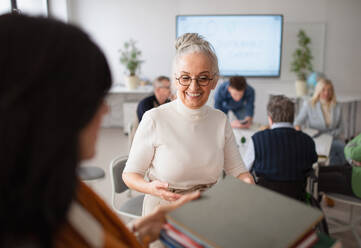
x=87, y=173
x=133, y=206
x=302, y=190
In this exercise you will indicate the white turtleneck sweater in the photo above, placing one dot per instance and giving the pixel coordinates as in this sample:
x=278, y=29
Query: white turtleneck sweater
x=184, y=147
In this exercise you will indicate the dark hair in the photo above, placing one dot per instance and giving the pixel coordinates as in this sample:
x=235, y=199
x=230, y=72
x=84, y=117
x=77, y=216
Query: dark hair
x=238, y=82
x=53, y=79
x=281, y=109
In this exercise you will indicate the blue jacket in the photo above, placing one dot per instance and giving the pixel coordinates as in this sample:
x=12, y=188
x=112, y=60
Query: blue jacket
x=224, y=101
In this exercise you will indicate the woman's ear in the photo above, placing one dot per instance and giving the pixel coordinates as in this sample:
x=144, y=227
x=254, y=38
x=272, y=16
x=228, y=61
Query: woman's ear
x=215, y=81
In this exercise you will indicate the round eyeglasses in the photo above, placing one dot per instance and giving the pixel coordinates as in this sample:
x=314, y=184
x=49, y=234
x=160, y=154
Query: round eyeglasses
x=186, y=80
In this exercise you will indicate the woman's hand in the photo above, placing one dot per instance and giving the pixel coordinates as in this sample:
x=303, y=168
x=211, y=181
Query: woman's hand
x=160, y=189
x=298, y=128
x=356, y=163
x=136, y=181
x=246, y=177
x=150, y=226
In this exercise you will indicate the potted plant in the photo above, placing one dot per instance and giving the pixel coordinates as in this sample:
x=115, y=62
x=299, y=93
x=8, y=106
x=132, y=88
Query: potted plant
x=301, y=64
x=130, y=58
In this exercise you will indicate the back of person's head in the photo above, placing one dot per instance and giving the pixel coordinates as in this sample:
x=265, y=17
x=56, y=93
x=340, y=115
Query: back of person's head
x=195, y=43
x=322, y=82
x=238, y=82
x=281, y=109
x=158, y=82
x=53, y=79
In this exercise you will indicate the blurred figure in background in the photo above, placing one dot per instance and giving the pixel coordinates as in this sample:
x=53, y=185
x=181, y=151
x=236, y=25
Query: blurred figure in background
x=281, y=157
x=236, y=96
x=161, y=95
x=324, y=114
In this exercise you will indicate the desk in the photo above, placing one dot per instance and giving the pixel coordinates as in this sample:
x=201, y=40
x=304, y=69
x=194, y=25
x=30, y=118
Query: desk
x=123, y=102
x=239, y=134
x=323, y=142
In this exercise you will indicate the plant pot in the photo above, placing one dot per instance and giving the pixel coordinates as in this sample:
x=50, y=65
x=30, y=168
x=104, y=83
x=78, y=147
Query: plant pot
x=132, y=82
x=301, y=88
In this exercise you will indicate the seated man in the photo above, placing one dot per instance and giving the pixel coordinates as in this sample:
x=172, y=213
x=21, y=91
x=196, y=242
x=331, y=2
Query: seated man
x=281, y=156
x=237, y=96
x=161, y=95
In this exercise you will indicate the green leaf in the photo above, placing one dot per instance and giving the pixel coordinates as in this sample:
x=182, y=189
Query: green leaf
x=301, y=63
x=130, y=56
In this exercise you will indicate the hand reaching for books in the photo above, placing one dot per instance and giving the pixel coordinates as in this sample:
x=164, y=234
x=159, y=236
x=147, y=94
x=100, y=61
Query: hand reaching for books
x=148, y=228
x=160, y=189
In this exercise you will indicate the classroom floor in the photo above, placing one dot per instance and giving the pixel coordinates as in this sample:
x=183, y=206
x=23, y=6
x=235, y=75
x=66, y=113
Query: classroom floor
x=112, y=143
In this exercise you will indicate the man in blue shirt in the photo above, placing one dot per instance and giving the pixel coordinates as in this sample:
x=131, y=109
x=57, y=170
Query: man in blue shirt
x=237, y=96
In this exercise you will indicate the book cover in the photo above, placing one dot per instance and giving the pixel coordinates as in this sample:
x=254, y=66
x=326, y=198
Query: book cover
x=234, y=214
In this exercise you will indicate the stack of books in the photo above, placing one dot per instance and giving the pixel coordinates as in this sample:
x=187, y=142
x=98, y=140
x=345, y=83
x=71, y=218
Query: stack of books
x=175, y=238
x=235, y=214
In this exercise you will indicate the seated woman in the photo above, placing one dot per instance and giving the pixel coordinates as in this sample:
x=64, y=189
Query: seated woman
x=325, y=114
x=344, y=179
x=52, y=88
x=184, y=144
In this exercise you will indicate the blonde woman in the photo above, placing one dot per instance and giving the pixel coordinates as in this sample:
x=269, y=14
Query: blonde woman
x=324, y=113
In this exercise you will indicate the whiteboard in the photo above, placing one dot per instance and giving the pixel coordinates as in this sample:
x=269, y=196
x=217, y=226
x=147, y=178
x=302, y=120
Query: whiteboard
x=317, y=33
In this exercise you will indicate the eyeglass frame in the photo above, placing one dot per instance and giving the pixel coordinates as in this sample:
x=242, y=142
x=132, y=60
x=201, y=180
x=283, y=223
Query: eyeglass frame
x=196, y=79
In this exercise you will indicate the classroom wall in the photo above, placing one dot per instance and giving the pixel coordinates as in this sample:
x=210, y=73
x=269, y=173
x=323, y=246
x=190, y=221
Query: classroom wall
x=152, y=24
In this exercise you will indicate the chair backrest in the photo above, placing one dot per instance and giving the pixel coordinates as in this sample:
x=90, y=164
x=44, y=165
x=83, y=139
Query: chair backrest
x=116, y=170
x=294, y=189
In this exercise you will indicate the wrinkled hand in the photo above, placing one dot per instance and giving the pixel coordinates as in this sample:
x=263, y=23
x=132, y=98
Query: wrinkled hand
x=246, y=125
x=246, y=177
x=160, y=189
x=238, y=124
x=150, y=226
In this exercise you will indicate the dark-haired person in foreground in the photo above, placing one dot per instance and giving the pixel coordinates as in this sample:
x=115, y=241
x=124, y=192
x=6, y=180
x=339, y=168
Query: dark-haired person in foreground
x=280, y=156
x=236, y=96
x=52, y=88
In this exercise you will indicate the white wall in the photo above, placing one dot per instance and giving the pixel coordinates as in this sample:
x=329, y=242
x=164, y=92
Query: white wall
x=152, y=24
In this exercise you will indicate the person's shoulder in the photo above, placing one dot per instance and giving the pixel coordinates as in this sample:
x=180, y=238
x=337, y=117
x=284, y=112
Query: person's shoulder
x=147, y=101
x=249, y=88
x=304, y=136
x=223, y=86
x=215, y=112
x=162, y=110
x=338, y=105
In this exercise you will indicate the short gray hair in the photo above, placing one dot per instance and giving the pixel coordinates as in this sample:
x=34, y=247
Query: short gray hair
x=281, y=109
x=158, y=81
x=193, y=42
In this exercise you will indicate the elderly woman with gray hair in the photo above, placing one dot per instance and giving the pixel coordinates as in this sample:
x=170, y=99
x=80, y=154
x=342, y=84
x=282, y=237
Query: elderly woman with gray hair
x=184, y=145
